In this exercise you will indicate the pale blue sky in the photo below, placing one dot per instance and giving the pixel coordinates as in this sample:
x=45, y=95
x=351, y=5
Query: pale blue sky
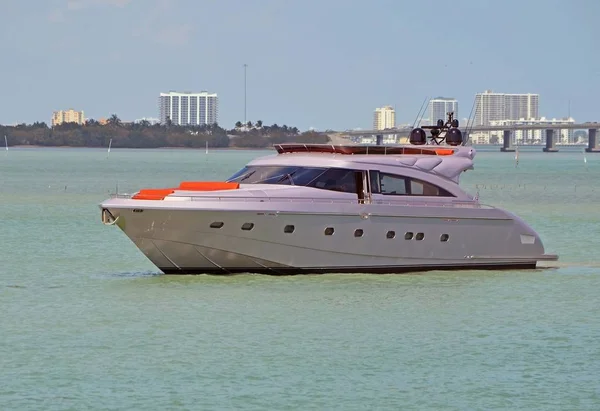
x=319, y=63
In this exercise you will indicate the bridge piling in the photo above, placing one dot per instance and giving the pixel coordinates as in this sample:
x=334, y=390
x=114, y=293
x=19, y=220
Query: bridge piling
x=507, y=146
x=550, y=142
x=593, y=146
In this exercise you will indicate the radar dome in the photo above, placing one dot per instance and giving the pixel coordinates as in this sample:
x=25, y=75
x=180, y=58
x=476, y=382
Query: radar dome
x=418, y=137
x=454, y=137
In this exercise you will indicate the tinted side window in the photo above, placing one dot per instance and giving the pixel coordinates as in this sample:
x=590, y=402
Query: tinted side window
x=239, y=174
x=423, y=188
x=268, y=175
x=336, y=179
x=303, y=176
x=292, y=175
x=393, y=184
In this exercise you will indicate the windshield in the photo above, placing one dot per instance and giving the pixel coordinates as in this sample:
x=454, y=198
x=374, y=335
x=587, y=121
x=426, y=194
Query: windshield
x=286, y=175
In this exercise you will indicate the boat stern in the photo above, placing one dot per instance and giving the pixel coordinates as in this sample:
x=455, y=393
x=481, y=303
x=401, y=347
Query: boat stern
x=529, y=242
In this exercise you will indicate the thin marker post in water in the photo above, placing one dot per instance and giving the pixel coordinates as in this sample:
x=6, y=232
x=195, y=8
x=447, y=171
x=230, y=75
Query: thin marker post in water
x=6, y=143
x=109, y=144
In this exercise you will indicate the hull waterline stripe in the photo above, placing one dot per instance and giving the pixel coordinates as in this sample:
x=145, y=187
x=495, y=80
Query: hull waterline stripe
x=353, y=270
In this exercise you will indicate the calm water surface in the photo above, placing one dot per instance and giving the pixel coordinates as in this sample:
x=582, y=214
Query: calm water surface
x=86, y=322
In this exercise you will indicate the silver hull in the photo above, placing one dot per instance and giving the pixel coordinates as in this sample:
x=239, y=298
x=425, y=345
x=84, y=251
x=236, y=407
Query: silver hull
x=179, y=239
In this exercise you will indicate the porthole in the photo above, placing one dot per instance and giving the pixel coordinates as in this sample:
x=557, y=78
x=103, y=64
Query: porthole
x=216, y=224
x=419, y=236
x=358, y=232
x=289, y=229
x=444, y=238
x=408, y=236
x=247, y=226
x=329, y=231
x=391, y=234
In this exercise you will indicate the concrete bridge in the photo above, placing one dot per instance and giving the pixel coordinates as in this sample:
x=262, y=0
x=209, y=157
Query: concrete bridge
x=337, y=137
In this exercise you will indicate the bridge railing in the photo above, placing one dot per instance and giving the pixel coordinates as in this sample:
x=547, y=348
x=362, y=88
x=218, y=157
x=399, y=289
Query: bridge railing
x=405, y=130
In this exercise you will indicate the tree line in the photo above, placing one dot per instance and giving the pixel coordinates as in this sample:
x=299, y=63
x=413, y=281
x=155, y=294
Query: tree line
x=143, y=134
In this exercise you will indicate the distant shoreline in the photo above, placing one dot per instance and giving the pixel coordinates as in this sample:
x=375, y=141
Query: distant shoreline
x=143, y=135
x=146, y=148
x=241, y=148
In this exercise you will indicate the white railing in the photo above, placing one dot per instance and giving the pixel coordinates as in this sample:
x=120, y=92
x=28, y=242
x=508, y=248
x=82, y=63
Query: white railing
x=124, y=195
x=325, y=200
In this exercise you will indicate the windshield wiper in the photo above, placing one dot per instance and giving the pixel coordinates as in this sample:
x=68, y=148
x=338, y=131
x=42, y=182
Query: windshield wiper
x=288, y=176
x=245, y=176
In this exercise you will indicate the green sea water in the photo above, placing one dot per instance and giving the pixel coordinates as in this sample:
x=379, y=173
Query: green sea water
x=87, y=323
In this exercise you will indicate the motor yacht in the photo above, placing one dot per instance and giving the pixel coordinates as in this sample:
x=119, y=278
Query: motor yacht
x=318, y=208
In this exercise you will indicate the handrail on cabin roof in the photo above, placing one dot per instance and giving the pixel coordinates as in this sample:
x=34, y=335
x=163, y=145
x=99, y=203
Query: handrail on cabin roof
x=362, y=149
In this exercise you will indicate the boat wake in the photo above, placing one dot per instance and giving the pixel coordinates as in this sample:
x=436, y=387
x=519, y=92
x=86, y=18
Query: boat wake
x=131, y=274
x=568, y=264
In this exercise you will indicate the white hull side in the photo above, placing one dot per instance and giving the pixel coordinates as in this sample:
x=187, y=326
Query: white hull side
x=181, y=241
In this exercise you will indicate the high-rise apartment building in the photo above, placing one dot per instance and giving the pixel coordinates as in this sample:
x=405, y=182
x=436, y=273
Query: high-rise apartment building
x=384, y=117
x=188, y=108
x=67, y=116
x=490, y=106
x=440, y=106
